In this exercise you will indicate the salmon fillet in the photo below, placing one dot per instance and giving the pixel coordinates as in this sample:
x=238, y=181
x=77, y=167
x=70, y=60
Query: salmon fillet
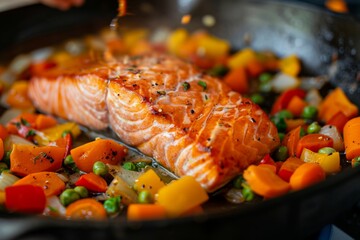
x=191, y=123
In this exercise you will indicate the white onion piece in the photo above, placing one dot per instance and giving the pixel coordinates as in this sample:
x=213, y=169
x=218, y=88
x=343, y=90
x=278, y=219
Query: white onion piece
x=313, y=97
x=42, y=54
x=118, y=187
x=128, y=176
x=14, y=139
x=73, y=178
x=20, y=63
x=234, y=195
x=63, y=176
x=9, y=115
x=7, y=179
x=54, y=207
x=333, y=132
x=282, y=82
x=308, y=83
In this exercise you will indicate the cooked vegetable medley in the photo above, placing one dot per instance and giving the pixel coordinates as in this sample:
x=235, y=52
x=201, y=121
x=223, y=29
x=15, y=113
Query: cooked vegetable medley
x=51, y=167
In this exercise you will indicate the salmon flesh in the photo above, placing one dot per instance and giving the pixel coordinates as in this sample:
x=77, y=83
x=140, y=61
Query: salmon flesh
x=191, y=123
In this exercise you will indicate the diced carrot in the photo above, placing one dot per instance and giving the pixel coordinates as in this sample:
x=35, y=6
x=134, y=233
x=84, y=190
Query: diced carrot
x=352, y=138
x=86, y=208
x=338, y=120
x=105, y=150
x=265, y=182
x=44, y=121
x=334, y=102
x=2, y=151
x=288, y=167
x=116, y=45
x=283, y=100
x=291, y=141
x=268, y=166
x=3, y=132
x=26, y=159
x=49, y=181
x=254, y=68
x=92, y=182
x=296, y=106
x=237, y=80
x=138, y=212
x=337, y=6
x=18, y=97
x=305, y=175
x=294, y=123
x=313, y=142
x=290, y=65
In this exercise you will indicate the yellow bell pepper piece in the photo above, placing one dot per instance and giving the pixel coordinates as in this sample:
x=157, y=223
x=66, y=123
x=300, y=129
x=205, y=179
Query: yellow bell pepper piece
x=131, y=38
x=181, y=195
x=290, y=65
x=52, y=134
x=176, y=39
x=214, y=47
x=149, y=181
x=2, y=197
x=329, y=162
x=242, y=58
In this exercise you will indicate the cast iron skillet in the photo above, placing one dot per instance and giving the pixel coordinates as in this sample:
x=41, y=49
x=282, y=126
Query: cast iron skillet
x=315, y=35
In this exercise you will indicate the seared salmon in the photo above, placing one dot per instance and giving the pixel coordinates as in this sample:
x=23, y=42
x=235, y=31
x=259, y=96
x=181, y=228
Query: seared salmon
x=191, y=123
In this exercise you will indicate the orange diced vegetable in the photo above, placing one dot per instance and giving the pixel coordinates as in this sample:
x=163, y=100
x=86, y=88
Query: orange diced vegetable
x=2, y=151
x=237, y=80
x=271, y=167
x=3, y=132
x=49, y=181
x=288, y=167
x=284, y=99
x=29, y=118
x=352, y=138
x=241, y=58
x=296, y=106
x=290, y=65
x=338, y=120
x=92, y=182
x=305, y=175
x=18, y=97
x=291, y=124
x=333, y=103
x=176, y=40
x=26, y=159
x=104, y=150
x=313, y=142
x=213, y=47
x=337, y=6
x=291, y=141
x=138, y=212
x=44, y=121
x=149, y=181
x=265, y=182
x=87, y=208
x=329, y=162
x=54, y=133
x=191, y=192
x=254, y=68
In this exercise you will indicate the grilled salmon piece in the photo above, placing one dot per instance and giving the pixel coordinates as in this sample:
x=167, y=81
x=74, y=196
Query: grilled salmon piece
x=191, y=123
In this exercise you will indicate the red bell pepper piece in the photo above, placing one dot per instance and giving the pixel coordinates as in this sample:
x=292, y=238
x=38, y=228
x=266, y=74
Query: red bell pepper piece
x=65, y=142
x=40, y=67
x=338, y=120
x=92, y=182
x=283, y=100
x=267, y=160
x=25, y=199
x=288, y=167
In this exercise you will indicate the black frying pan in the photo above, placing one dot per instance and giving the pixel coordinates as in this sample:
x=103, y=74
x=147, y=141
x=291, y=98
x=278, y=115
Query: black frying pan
x=315, y=35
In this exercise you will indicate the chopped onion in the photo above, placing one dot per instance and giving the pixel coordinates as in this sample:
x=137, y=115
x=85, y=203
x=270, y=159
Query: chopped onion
x=118, y=187
x=54, y=207
x=128, y=176
x=234, y=195
x=313, y=97
x=73, y=178
x=14, y=139
x=20, y=63
x=308, y=83
x=7, y=179
x=9, y=115
x=282, y=82
x=334, y=133
x=63, y=176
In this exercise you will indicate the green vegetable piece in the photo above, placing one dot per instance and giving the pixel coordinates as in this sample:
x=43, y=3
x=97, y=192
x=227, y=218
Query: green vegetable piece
x=186, y=86
x=326, y=150
x=69, y=161
x=66, y=132
x=247, y=193
x=281, y=136
x=130, y=166
x=140, y=165
x=265, y=78
x=302, y=132
x=281, y=153
x=100, y=168
x=314, y=127
x=309, y=112
x=6, y=158
x=82, y=191
x=265, y=87
x=112, y=205
x=203, y=84
x=257, y=98
x=68, y=196
x=238, y=181
x=285, y=114
x=279, y=123
x=218, y=71
x=145, y=197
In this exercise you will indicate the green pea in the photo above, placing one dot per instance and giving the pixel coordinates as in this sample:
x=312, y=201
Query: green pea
x=309, y=112
x=6, y=158
x=100, y=168
x=140, y=165
x=265, y=78
x=257, y=98
x=112, y=205
x=355, y=162
x=130, y=166
x=82, y=191
x=247, y=193
x=218, y=71
x=314, y=127
x=281, y=153
x=281, y=136
x=145, y=197
x=68, y=196
x=302, y=132
x=238, y=181
x=279, y=123
x=285, y=114
x=69, y=161
x=326, y=150
x=265, y=87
